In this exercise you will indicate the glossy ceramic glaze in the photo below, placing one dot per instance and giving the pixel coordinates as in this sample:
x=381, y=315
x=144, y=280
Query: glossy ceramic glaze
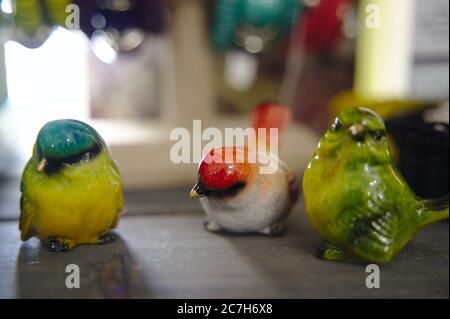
x=356, y=199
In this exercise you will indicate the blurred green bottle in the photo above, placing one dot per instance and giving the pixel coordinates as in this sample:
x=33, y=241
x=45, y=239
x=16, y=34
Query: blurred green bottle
x=269, y=19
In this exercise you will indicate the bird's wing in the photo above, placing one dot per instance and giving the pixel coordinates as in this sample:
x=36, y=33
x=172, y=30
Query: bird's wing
x=119, y=195
x=373, y=231
x=119, y=208
x=27, y=214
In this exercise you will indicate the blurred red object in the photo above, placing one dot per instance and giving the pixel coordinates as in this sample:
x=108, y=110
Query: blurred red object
x=271, y=115
x=321, y=67
x=320, y=26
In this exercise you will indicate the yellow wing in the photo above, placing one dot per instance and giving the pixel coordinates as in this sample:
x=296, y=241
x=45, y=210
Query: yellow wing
x=119, y=194
x=27, y=209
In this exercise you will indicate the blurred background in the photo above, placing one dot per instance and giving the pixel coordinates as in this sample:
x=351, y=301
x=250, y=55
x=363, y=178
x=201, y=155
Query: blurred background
x=136, y=69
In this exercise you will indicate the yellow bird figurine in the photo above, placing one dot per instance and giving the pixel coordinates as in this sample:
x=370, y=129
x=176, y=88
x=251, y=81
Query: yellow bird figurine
x=71, y=188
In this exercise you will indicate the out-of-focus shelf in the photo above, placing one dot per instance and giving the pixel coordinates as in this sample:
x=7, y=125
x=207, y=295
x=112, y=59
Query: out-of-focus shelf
x=164, y=252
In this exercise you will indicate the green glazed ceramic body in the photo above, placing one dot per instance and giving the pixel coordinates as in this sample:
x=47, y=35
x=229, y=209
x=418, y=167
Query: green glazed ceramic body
x=356, y=199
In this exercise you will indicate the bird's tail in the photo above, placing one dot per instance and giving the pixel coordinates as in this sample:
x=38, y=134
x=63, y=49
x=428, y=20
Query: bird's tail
x=434, y=210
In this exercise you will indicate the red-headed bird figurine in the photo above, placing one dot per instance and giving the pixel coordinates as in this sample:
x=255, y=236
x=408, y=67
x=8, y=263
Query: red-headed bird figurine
x=242, y=195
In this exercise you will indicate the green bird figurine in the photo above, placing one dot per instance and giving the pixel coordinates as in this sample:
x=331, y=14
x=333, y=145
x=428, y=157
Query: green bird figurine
x=356, y=199
x=71, y=188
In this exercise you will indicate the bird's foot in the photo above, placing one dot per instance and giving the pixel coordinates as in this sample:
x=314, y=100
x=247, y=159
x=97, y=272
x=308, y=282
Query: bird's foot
x=273, y=230
x=328, y=251
x=106, y=239
x=212, y=226
x=60, y=245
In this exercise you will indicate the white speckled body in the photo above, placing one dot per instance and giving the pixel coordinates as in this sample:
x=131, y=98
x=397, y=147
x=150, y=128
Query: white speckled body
x=261, y=204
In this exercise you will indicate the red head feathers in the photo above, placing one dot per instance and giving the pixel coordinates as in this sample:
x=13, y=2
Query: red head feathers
x=220, y=169
x=226, y=167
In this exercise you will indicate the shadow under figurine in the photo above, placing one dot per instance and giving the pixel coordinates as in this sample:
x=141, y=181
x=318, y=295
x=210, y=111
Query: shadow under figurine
x=71, y=188
x=355, y=197
x=236, y=196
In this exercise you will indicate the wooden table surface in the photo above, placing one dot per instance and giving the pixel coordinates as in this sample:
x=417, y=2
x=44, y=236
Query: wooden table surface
x=162, y=251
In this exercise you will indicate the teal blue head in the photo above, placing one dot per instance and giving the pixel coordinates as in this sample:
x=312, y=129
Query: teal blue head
x=66, y=142
x=361, y=134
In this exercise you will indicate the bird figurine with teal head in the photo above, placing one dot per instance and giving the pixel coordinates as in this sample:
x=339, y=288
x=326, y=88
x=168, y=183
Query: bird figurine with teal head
x=236, y=195
x=355, y=197
x=71, y=188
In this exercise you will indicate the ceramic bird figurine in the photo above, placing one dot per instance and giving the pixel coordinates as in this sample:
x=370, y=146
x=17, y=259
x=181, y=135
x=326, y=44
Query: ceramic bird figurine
x=236, y=195
x=71, y=188
x=356, y=199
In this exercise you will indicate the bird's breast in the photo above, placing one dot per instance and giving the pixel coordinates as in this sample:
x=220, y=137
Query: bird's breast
x=78, y=203
x=263, y=201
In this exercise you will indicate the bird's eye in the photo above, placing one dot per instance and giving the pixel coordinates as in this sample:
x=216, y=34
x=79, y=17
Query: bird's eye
x=337, y=125
x=379, y=134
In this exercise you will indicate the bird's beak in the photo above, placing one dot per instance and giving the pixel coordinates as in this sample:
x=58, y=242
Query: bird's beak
x=41, y=166
x=198, y=191
x=357, y=132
